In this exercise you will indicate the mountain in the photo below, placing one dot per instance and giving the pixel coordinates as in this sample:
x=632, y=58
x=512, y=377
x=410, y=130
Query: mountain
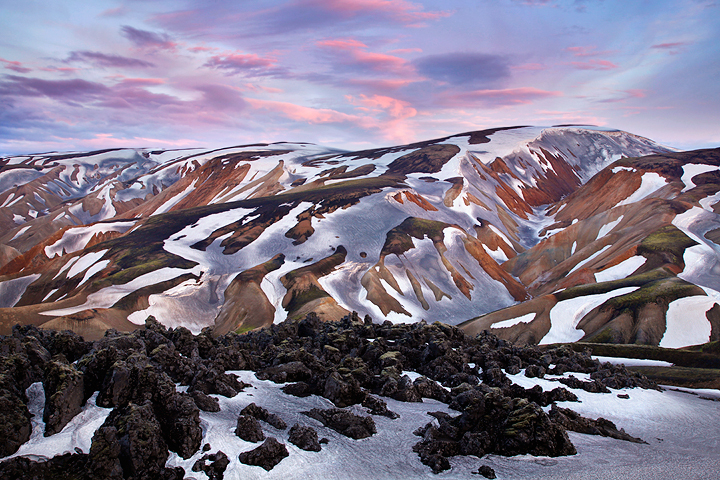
x=540, y=235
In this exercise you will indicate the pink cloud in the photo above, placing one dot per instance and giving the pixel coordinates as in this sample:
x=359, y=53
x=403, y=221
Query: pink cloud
x=141, y=82
x=398, y=10
x=497, y=98
x=588, y=51
x=307, y=114
x=15, y=66
x=202, y=48
x=235, y=63
x=673, y=48
x=594, y=64
x=351, y=52
x=528, y=66
x=146, y=39
x=394, y=107
x=60, y=69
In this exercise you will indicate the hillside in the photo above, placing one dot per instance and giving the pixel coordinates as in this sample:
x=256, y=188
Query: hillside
x=541, y=235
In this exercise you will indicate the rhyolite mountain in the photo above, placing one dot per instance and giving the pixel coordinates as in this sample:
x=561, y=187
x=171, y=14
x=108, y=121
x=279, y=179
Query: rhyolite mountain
x=540, y=235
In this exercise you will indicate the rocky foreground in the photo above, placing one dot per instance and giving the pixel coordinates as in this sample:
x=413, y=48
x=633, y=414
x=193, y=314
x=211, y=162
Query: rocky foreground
x=157, y=380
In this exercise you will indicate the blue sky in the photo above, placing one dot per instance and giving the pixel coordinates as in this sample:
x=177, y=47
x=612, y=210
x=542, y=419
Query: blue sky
x=79, y=75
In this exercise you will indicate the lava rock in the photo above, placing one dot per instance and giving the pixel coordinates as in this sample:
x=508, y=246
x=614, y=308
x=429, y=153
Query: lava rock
x=344, y=422
x=64, y=391
x=204, y=402
x=343, y=391
x=249, y=429
x=304, y=437
x=267, y=455
x=213, y=380
x=378, y=406
x=60, y=467
x=298, y=389
x=288, y=372
x=15, y=426
x=179, y=418
x=214, y=465
x=262, y=414
x=486, y=472
x=573, y=421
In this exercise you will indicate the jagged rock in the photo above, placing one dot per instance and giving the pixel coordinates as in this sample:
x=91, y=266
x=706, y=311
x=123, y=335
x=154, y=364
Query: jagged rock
x=215, y=469
x=298, y=389
x=406, y=391
x=287, y=372
x=249, y=429
x=594, y=386
x=344, y=422
x=130, y=440
x=64, y=394
x=267, y=455
x=535, y=371
x=305, y=438
x=206, y=403
x=212, y=380
x=378, y=406
x=427, y=388
x=179, y=418
x=573, y=421
x=168, y=359
x=262, y=414
x=343, y=391
x=61, y=467
x=94, y=367
x=69, y=344
x=15, y=426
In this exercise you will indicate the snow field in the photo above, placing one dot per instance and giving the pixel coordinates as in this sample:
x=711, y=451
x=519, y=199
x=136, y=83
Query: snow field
x=687, y=323
x=651, y=182
x=589, y=259
x=76, y=238
x=11, y=291
x=692, y=169
x=622, y=270
x=527, y=318
x=84, y=262
x=607, y=228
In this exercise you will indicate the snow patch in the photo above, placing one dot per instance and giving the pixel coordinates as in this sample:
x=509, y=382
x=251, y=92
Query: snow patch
x=566, y=315
x=11, y=291
x=632, y=362
x=651, y=182
x=687, y=323
x=84, y=262
x=589, y=259
x=607, y=228
x=514, y=321
x=77, y=238
x=692, y=169
x=621, y=270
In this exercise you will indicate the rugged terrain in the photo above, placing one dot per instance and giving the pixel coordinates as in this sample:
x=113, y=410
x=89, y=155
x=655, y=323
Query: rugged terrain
x=540, y=235
x=313, y=399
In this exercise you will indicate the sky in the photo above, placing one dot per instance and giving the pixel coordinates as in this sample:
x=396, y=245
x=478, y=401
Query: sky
x=351, y=74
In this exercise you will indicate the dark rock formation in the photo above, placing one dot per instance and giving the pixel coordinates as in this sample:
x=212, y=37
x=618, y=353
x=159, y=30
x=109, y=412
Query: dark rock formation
x=267, y=455
x=61, y=467
x=305, y=438
x=573, y=421
x=249, y=429
x=486, y=472
x=214, y=465
x=204, y=402
x=64, y=391
x=344, y=422
x=260, y=413
x=378, y=406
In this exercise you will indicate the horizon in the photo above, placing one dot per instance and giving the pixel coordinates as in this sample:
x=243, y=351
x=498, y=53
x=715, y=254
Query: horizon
x=351, y=74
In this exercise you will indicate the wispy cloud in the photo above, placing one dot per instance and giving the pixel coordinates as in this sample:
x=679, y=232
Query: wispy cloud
x=15, y=66
x=497, y=98
x=147, y=39
x=459, y=68
x=351, y=53
x=673, y=48
x=240, y=63
x=106, y=59
x=594, y=64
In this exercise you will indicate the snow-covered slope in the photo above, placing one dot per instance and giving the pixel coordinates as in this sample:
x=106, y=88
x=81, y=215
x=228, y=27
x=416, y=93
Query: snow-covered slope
x=448, y=229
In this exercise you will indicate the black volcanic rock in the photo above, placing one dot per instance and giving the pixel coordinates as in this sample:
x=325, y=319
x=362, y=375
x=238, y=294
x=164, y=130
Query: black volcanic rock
x=262, y=414
x=130, y=444
x=213, y=380
x=179, y=418
x=575, y=422
x=288, y=372
x=60, y=467
x=249, y=429
x=344, y=422
x=267, y=455
x=64, y=394
x=214, y=465
x=15, y=426
x=206, y=403
x=378, y=406
x=304, y=437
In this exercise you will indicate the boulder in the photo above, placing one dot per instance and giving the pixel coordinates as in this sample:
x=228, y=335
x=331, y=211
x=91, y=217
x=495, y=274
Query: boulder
x=249, y=429
x=262, y=414
x=267, y=455
x=305, y=438
x=204, y=402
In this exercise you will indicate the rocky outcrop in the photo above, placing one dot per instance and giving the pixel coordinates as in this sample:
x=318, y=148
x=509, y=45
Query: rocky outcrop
x=571, y=420
x=64, y=390
x=260, y=413
x=249, y=429
x=213, y=465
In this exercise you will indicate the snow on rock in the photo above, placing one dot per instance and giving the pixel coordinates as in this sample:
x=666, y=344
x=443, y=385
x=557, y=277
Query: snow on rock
x=566, y=314
x=11, y=291
x=514, y=321
x=687, y=323
x=97, y=267
x=77, y=238
x=692, y=169
x=621, y=270
x=174, y=200
x=498, y=255
x=651, y=182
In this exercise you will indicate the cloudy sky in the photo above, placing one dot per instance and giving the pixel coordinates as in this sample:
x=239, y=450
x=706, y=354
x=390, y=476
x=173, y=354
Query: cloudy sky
x=79, y=75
